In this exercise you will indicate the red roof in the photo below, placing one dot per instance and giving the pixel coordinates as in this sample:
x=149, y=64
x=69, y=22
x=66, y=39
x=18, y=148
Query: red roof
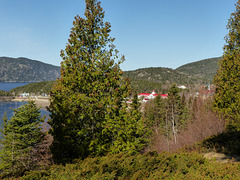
x=164, y=95
x=144, y=94
x=148, y=94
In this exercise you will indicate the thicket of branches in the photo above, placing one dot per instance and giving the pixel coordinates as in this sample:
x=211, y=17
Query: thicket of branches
x=199, y=121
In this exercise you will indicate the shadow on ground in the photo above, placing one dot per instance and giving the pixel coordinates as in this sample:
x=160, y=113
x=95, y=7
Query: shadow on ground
x=226, y=142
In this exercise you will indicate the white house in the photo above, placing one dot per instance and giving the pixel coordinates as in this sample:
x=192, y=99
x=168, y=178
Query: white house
x=182, y=87
x=24, y=94
x=146, y=96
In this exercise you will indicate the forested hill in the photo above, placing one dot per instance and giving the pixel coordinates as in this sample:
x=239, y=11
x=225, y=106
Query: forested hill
x=146, y=79
x=26, y=70
x=199, y=72
x=203, y=70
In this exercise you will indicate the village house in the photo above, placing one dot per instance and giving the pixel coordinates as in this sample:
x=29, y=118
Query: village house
x=147, y=96
x=24, y=94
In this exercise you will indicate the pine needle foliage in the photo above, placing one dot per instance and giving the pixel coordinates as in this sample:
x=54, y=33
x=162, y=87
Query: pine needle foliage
x=88, y=106
x=227, y=97
x=176, y=112
x=20, y=136
x=233, y=37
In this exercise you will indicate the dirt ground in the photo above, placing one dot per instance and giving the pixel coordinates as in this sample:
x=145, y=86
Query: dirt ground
x=42, y=103
x=220, y=157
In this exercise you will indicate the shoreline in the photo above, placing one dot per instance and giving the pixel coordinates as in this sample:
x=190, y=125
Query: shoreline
x=40, y=102
x=6, y=98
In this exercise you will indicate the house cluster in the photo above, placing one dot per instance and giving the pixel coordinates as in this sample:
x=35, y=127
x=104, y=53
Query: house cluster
x=26, y=95
x=147, y=96
x=205, y=91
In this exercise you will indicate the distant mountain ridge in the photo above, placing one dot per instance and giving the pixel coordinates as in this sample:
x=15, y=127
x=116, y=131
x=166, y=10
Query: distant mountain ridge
x=26, y=70
x=199, y=72
x=204, y=70
x=147, y=79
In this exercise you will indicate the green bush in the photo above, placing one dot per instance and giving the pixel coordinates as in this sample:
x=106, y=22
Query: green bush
x=150, y=165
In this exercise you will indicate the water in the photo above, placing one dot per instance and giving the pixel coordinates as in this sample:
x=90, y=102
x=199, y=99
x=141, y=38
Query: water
x=7, y=86
x=10, y=105
x=6, y=106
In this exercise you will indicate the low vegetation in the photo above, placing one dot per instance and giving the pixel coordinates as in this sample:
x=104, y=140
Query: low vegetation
x=151, y=165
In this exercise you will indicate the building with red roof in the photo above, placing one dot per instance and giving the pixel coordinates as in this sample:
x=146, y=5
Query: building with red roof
x=146, y=96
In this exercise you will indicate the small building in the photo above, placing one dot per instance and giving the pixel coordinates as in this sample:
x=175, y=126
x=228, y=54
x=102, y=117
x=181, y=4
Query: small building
x=182, y=87
x=24, y=94
x=147, y=96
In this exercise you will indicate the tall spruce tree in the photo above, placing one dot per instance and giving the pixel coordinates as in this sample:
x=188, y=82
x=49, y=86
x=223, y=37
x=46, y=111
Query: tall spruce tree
x=88, y=103
x=227, y=97
x=20, y=137
x=154, y=118
x=176, y=112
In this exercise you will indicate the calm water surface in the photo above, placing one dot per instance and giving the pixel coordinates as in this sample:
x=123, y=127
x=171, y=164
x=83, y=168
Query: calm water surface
x=8, y=106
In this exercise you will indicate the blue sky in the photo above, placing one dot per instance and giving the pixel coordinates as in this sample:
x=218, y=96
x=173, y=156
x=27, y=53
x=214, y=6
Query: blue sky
x=150, y=33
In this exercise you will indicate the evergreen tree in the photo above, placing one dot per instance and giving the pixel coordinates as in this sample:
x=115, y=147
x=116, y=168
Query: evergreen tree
x=20, y=136
x=154, y=118
x=176, y=117
x=128, y=130
x=136, y=128
x=233, y=36
x=227, y=97
x=88, y=103
x=149, y=115
x=160, y=115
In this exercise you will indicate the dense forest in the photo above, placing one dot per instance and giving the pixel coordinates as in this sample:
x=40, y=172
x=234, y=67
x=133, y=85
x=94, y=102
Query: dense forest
x=95, y=133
